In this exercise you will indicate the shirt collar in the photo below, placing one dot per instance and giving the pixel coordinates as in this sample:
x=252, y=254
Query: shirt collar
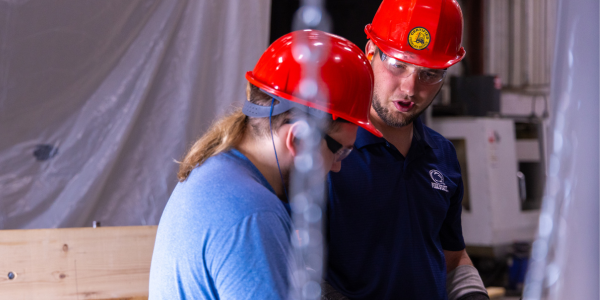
x=422, y=135
x=365, y=138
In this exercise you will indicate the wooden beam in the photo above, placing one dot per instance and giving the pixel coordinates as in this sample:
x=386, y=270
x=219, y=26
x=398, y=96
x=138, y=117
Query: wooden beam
x=76, y=263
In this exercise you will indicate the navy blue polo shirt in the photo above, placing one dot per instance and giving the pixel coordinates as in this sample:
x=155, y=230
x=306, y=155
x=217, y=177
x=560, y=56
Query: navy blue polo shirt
x=390, y=216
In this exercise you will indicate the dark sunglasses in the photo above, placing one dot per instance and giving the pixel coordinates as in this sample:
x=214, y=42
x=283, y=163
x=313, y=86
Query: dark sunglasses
x=337, y=149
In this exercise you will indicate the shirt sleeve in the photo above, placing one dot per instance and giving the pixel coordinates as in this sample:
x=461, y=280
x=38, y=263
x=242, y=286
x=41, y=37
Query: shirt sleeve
x=250, y=260
x=451, y=235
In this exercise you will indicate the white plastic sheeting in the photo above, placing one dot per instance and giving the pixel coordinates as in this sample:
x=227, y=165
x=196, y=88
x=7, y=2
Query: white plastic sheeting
x=564, y=258
x=98, y=98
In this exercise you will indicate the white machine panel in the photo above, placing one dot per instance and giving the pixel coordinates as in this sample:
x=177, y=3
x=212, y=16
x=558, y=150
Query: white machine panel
x=493, y=214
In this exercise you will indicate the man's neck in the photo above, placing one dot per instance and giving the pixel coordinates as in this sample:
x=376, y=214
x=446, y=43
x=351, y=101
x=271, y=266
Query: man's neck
x=400, y=137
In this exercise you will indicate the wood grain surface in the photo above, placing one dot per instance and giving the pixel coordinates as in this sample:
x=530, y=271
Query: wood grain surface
x=76, y=263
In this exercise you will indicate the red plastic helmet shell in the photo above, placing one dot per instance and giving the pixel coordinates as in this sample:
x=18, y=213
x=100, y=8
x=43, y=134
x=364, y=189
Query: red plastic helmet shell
x=345, y=83
x=426, y=33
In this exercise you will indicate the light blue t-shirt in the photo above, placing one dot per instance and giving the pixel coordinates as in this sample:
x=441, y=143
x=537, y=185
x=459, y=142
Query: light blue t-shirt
x=224, y=234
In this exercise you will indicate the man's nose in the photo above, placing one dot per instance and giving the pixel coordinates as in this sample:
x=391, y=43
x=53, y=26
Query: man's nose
x=407, y=84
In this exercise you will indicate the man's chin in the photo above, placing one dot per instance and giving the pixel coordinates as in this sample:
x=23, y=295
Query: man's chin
x=397, y=120
x=391, y=117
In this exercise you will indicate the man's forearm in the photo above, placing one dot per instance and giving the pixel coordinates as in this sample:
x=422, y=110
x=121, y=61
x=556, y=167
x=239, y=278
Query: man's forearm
x=455, y=259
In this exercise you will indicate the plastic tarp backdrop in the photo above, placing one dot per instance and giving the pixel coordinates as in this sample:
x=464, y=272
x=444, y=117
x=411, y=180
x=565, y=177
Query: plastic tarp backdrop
x=98, y=98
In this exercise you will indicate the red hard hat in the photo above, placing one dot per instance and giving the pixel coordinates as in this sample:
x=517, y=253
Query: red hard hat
x=345, y=81
x=426, y=33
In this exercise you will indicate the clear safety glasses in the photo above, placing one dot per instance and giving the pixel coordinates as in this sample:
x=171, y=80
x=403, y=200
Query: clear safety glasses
x=402, y=69
x=337, y=149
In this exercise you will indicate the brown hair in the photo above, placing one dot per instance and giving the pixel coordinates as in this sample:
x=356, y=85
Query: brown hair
x=228, y=131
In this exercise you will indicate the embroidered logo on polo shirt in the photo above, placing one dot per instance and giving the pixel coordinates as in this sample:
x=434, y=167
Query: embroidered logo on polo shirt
x=438, y=180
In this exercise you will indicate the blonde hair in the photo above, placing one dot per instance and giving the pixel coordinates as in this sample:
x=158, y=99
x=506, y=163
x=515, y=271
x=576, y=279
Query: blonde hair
x=227, y=132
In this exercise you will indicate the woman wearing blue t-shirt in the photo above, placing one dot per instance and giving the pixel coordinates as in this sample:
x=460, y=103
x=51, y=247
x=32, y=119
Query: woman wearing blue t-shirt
x=225, y=232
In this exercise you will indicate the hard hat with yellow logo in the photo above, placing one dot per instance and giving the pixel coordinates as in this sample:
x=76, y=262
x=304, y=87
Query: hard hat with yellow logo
x=426, y=33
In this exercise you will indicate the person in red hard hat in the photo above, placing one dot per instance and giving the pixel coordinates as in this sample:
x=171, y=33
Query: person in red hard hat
x=225, y=232
x=394, y=218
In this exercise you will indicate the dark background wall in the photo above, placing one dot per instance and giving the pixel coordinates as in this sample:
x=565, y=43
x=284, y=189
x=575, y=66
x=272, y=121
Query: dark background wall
x=349, y=18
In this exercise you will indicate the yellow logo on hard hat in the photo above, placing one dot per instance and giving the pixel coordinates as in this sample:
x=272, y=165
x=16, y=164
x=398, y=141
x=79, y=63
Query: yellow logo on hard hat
x=419, y=38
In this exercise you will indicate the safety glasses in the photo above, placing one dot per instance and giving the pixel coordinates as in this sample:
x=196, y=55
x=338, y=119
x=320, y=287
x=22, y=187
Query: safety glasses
x=337, y=149
x=401, y=69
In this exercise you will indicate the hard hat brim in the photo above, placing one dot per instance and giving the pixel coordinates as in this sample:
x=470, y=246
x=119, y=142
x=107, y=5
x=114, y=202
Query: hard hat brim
x=366, y=124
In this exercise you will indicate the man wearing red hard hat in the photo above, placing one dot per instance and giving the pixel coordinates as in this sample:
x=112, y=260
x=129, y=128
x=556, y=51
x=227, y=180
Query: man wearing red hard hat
x=394, y=217
x=225, y=232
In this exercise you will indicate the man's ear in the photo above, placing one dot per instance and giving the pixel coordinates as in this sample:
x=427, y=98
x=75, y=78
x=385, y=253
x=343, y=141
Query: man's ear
x=370, y=50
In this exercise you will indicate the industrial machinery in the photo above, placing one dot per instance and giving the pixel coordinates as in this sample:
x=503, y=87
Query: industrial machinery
x=503, y=177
